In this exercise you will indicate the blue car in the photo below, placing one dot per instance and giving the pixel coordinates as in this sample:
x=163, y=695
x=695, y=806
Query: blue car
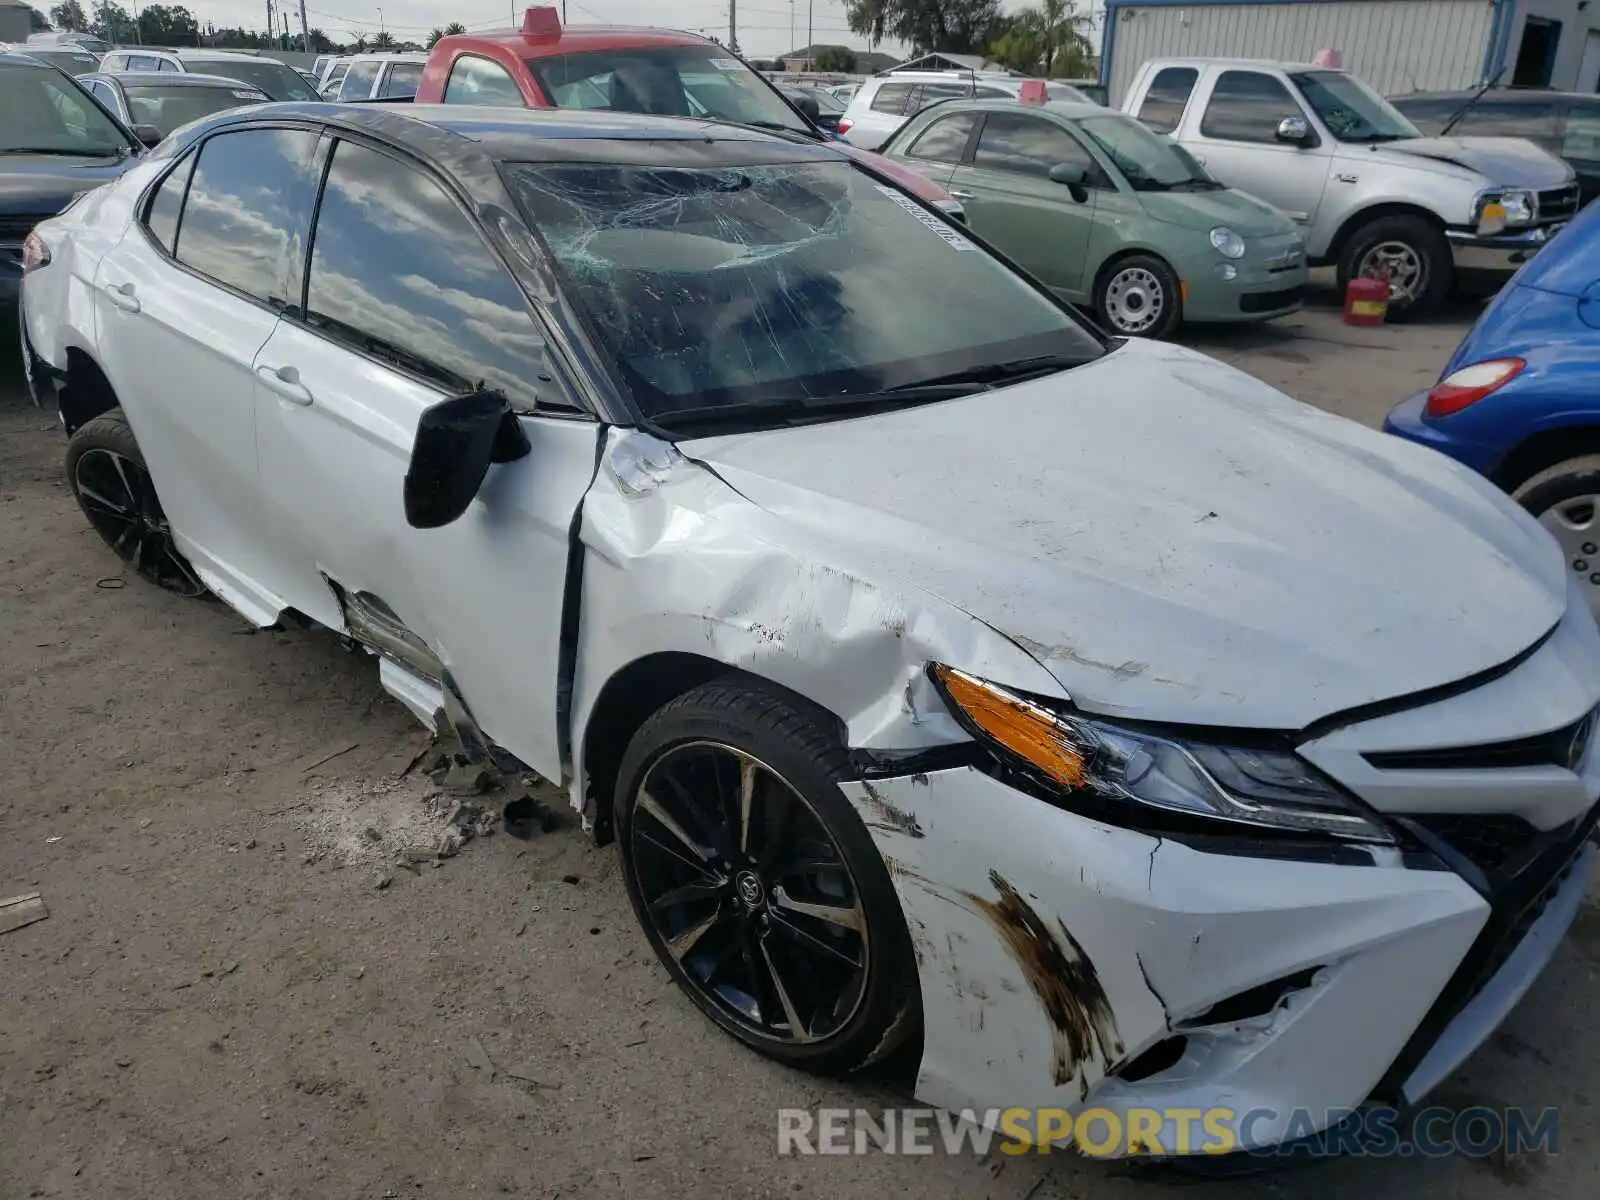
x=1519, y=401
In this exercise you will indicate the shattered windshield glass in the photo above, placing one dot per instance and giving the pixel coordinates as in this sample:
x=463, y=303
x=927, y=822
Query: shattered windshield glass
x=752, y=285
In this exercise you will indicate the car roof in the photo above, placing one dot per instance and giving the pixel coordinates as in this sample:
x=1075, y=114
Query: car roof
x=1220, y=61
x=172, y=79
x=20, y=58
x=235, y=55
x=576, y=39
x=390, y=56
x=1072, y=110
x=1514, y=95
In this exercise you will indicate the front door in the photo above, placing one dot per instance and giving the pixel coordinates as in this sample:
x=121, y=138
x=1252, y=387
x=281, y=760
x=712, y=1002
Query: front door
x=191, y=293
x=406, y=306
x=1238, y=143
x=1013, y=203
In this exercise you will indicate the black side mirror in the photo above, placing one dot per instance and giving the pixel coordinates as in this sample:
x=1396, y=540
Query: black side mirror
x=1074, y=177
x=149, y=135
x=809, y=108
x=456, y=441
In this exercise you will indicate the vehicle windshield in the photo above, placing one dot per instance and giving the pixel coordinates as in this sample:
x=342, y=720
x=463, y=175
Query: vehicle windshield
x=46, y=113
x=167, y=106
x=744, y=287
x=73, y=62
x=669, y=81
x=1351, y=110
x=267, y=75
x=1149, y=163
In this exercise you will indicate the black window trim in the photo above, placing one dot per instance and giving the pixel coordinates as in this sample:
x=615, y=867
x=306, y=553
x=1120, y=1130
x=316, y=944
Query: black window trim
x=444, y=94
x=583, y=406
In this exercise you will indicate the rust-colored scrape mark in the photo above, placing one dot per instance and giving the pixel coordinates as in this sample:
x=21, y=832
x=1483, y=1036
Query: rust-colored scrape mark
x=884, y=814
x=1064, y=980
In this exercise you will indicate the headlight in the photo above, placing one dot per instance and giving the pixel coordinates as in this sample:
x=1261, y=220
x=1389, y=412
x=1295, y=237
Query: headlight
x=1227, y=243
x=1261, y=787
x=1500, y=210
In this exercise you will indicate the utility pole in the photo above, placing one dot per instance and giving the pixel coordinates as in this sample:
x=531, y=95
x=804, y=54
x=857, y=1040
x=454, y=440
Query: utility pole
x=811, y=34
x=791, y=26
x=733, y=26
x=272, y=23
x=305, y=30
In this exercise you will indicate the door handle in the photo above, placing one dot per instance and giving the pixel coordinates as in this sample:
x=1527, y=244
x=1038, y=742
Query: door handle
x=122, y=295
x=960, y=195
x=285, y=382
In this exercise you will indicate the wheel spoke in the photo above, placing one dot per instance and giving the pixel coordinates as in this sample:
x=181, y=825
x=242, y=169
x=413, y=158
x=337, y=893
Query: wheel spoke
x=667, y=821
x=110, y=506
x=704, y=888
x=686, y=941
x=671, y=851
x=760, y=981
x=845, y=916
x=797, y=1028
x=122, y=473
x=810, y=942
x=717, y=829
x=747, y=796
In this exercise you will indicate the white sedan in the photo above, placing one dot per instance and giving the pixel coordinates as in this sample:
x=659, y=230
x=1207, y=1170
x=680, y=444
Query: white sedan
x=1125, y=733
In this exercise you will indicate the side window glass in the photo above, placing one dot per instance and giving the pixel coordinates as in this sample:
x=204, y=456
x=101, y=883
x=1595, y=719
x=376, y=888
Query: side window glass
x=248, y=206
x=1581, y=141
x=358, y=81
x=402, y=81
x=1429, y=115
x=1163, y=105
x=1247, y=106
x=161, y=218
x=1028, y=145
x=945, y=140
x=891, y=98
x=479, y=81
x=398, y=271
x=1494, y=118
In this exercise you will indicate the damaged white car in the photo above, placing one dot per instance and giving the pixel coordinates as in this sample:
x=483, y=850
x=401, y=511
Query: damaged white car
x=1128, y=733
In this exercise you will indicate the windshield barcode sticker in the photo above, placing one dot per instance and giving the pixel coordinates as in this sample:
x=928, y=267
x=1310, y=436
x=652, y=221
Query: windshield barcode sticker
x=951, y=238
x=727, y=64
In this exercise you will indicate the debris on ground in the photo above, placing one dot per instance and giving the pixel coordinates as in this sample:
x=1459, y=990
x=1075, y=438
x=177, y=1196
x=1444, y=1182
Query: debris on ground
x=528, y=814
x=17, y=911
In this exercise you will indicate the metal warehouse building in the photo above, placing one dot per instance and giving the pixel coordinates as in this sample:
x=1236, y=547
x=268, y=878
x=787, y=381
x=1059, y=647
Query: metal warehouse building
x=1395, y=45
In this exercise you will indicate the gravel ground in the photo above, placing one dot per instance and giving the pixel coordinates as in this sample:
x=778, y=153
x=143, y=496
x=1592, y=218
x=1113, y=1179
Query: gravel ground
x=235, y=994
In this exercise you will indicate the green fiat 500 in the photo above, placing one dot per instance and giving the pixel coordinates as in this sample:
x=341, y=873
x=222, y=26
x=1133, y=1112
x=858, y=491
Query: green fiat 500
x=1108, y=214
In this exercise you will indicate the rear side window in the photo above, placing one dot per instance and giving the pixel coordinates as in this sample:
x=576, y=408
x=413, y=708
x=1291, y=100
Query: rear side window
x=891, y=98
x=1429, y=115
x=399, y=272
x=478, y=81
x=161, y=218
x=402, y=81
x=249, y=203
x=945, y=140
x=1247, y=106
x=358, y=81
x=1535, y=120
x=1164, y=103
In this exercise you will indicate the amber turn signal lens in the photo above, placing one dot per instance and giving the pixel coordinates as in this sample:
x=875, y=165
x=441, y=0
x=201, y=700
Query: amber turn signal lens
x=1026, y=730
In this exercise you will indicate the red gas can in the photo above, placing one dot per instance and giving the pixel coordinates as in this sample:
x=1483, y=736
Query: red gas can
x=1366, y=301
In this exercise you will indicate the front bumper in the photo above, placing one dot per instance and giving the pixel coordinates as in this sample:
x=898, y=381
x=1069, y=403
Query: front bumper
x=1259, y=290
x=1499, y=256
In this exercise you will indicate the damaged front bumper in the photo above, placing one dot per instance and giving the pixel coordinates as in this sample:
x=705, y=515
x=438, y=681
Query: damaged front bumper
x=1069, y=964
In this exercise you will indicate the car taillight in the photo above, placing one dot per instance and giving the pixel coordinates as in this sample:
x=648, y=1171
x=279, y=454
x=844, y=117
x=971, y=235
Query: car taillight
x=844, y=124
x=1470, y=384
x=35, y=253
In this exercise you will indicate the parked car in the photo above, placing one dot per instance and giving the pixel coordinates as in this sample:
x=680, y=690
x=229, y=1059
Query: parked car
x=319, y=68
x=660, y=71
x=828, y=107
x=306, y=75
x=1107, y=214
x=65, y=56
x=843, y=91
x=1377, y=198
x=1567, y=124
x=332, y=76
x=276, y=79
x=165, y=100
x=55, y=144
x=381, y=77
x=883, y=103
x=1519, y=400
x=66, y=37
x=1127, y=732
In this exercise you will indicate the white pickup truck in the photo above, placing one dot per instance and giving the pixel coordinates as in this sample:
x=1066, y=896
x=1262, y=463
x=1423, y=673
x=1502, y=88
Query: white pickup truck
x=1377, y=198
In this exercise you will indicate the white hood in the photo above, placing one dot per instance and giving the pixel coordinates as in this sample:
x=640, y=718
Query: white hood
x=1172, y=539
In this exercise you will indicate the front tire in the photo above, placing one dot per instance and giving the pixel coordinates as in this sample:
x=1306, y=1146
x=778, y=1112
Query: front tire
x=1139, y=296
x=756, y=882
x=1413, y=252
x=108, y=476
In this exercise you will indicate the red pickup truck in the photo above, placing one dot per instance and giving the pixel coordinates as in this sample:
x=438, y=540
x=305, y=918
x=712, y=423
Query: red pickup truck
x=660, y=71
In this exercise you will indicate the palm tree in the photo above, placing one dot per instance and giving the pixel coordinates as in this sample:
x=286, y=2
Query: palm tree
x=433, y=38
x=1064, y=31
x=454, y=29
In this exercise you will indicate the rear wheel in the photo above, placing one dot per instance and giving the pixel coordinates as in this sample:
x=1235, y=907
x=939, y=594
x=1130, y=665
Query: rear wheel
x=1410, y=253
x=1566, y=501
x=107, y=474
x=756, y=882
x=1139, y=296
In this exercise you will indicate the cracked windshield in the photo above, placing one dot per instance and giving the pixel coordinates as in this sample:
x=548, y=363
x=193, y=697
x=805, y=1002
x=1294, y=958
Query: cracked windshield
x=733, y=288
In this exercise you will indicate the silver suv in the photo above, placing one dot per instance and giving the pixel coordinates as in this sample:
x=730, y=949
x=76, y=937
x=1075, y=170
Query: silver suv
x=885, y=102
x=1378, y=199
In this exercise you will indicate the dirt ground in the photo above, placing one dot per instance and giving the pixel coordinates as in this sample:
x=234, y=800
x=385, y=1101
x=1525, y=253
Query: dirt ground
x=231, y=998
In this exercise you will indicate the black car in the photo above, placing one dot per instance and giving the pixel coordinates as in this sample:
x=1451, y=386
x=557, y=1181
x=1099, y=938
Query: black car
x=1567, y=124
x=165, y=100
x=55, y=143
x=74, y=60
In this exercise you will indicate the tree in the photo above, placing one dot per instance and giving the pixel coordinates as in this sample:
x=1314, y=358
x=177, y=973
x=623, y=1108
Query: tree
x=954, y=26
x=69, y=15
x=835, y=58
x=435, y=37
x=383, y=40
x=1052, y=40
x=160, y=25
x=455, y=29
x=37, y=21
x=111, y=21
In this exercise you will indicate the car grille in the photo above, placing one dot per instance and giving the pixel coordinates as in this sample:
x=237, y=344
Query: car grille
x=1251, y=302
x=1558, y=204
x=1565, y=747
x=1488, y=839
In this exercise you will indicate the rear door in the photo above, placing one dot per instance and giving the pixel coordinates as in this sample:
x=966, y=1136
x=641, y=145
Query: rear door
x=1236, y=138
x=1012, y=201
x=183, y=304
x=406, y=305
